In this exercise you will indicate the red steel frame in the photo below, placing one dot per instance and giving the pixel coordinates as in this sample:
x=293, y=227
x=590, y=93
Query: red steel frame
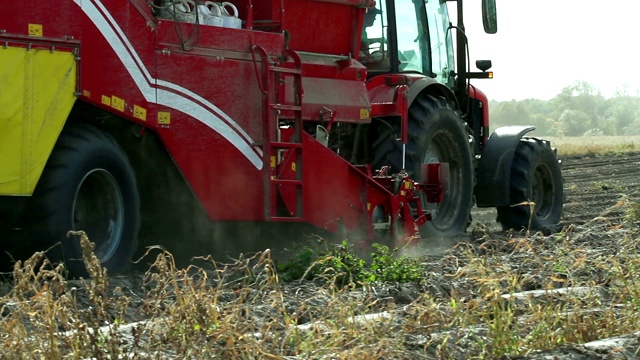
x=206, y=101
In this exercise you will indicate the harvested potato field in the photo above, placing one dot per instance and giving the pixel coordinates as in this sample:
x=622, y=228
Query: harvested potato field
x=594, y=184
x=572, y=293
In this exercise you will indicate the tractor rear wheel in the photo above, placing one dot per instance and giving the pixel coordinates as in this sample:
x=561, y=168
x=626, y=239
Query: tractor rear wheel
x=436, y=135
x=88, y=184
x=536, y=183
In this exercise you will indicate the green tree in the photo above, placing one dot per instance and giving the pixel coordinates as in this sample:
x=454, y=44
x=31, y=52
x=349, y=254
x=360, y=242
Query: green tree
x=575, y=122
x=624, y=113
x=578, y=110
x=580, y=101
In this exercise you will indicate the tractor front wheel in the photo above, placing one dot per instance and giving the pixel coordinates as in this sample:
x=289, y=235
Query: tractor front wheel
x=436, y=135
x=536, y=190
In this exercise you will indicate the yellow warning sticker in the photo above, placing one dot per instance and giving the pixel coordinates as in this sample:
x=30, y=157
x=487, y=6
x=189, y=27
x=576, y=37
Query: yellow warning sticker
x=106, y=100
x=273, y=161
x=140, y=112
x=164, y=118
x=364, y=114
x=407, y=185
x=86, y=93
x=368, y=206
x=35, y=30
x=293, y=166
x=117, y=103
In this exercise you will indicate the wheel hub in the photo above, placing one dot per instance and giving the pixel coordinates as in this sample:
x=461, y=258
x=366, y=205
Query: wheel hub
x=542, y=191
x=442, y=150
x=98, y=209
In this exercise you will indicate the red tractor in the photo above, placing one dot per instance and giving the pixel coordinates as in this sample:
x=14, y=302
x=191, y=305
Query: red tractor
x=341, y=114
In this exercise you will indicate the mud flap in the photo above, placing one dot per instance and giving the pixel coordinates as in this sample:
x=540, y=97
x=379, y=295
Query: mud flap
x=494, y=167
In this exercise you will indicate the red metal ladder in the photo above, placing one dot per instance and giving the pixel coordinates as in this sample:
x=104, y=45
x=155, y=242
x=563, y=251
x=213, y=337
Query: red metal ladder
x=270, y=78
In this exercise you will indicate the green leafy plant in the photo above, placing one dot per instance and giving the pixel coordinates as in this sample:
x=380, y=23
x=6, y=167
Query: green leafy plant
x=387, y=266
x=343, y=265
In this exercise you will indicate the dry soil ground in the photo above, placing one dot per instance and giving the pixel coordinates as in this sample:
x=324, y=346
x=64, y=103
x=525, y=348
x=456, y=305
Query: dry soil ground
x=424, y=320
x=594, y=184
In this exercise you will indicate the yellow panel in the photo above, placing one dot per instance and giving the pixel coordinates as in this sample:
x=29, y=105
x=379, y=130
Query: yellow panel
x=140, y=112
x=37, y=95
x=164, y=117
x=35, y=30
x=117, y=103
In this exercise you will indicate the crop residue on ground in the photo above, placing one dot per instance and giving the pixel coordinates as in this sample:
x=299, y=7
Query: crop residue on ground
x=573, y=293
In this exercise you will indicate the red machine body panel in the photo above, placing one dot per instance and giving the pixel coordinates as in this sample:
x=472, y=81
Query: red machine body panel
x=198, y=87
x=477, y=94
x=220, y=99
x=338, y=20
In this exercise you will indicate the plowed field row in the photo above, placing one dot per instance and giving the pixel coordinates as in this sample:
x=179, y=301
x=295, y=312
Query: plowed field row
x=594, y=185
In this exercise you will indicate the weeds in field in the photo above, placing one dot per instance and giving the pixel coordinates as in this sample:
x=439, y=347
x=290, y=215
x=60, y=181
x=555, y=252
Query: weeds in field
x=345, y=266
x=494, y=295
x=532, y=207
x=632, y=213
x=601, y=185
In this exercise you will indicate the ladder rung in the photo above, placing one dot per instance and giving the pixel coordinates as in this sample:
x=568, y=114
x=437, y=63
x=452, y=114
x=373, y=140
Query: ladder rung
x=284, y=70
x=286, y=107
x=286, y=182
x=271, y=107
x=286, y=145
x=266, y=23
x=285, y=218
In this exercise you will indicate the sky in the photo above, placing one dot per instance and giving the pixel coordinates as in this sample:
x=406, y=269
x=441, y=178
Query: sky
x=544, y=46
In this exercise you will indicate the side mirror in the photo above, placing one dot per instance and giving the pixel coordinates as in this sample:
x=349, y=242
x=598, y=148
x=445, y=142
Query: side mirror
x=483, y=65
x=489, y=16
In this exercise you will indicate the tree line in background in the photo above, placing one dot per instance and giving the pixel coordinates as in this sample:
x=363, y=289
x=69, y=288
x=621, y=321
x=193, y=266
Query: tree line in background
x=579, y=110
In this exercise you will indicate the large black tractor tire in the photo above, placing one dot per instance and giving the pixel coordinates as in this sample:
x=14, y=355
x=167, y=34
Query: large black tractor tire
x=436, y=134
x=88, y=184
x=536, y=179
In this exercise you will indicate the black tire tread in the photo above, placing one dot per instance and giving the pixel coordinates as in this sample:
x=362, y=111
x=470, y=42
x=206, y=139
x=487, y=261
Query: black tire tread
x=528, y=152
x=44, y=214
x=388, y=151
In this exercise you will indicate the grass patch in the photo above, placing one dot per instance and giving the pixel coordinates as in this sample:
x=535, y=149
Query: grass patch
x=595, y=145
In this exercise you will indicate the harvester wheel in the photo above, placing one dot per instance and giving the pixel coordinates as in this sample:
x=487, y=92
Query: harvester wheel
x=536, y=182
x=436, y=134
x=88, y=184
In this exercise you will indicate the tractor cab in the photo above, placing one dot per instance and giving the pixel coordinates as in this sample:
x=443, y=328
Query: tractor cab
x=408, y=36
x=416, y=36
